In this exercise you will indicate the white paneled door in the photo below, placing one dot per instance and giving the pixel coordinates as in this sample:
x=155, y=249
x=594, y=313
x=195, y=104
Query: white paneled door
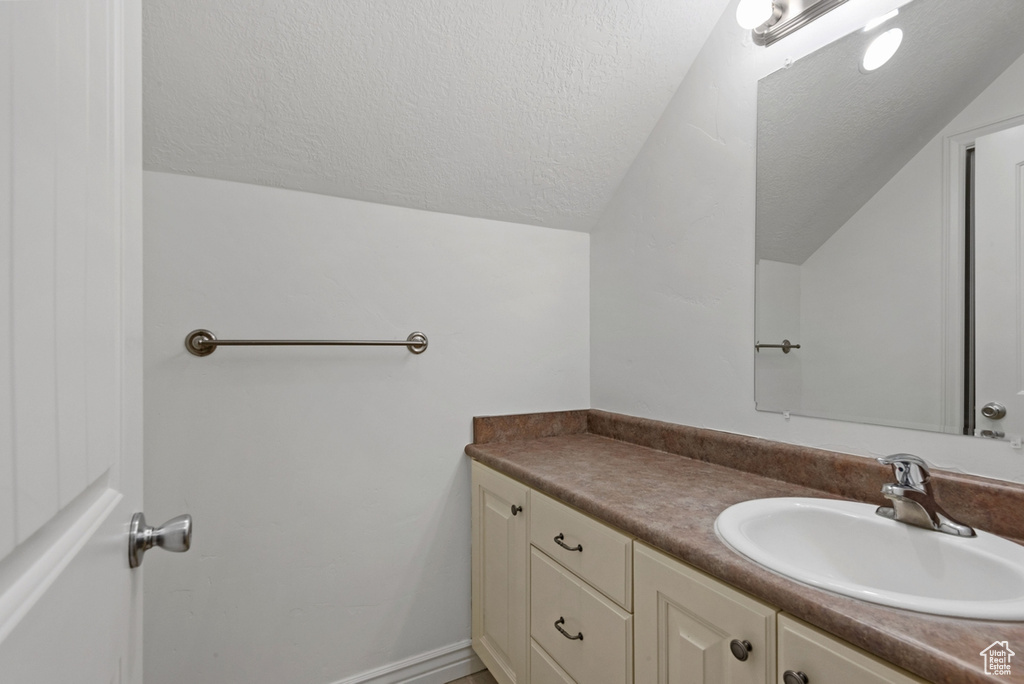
x=999, y=282
x=70, y=340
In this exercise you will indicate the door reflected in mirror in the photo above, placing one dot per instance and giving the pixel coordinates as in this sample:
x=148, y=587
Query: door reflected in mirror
x=889, y=236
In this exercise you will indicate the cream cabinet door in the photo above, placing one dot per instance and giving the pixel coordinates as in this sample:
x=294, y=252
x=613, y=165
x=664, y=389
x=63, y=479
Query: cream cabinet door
x=823, y=659
x=685, y=621
x=500, y=580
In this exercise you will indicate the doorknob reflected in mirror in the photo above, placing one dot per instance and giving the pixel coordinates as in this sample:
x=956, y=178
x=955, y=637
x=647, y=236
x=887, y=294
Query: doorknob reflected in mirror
x=993, y=410
x=174, y=535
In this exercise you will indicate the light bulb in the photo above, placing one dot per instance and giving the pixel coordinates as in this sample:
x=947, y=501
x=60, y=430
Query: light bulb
x=752, y=13
x=882, y=49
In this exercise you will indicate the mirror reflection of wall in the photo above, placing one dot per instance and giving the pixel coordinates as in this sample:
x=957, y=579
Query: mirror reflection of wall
x=861, y=207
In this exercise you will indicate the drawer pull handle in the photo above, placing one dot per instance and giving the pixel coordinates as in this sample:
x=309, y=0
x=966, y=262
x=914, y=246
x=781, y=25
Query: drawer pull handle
x=516, y=510
x=791, y=677
x=740, y=649
x=560, y=537
x=558, y=625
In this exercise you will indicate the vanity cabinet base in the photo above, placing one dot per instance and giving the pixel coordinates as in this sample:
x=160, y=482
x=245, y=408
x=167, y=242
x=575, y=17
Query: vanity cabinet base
x=686, y=626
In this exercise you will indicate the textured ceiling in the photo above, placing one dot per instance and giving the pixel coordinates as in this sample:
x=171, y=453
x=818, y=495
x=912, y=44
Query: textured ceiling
x=829, y=137
x=520, y=110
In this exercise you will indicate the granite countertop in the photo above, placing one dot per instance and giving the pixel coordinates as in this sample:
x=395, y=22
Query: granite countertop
x=671, y=501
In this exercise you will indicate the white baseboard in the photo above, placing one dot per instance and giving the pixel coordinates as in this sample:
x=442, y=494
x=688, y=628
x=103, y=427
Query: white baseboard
x=434, y=667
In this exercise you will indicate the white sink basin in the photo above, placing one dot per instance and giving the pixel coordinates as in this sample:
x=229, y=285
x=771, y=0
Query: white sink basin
x=844, y=547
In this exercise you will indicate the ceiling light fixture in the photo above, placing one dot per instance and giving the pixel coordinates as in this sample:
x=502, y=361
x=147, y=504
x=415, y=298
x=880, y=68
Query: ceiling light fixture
x=881, y=49
x=771, y=21
x=753, y=13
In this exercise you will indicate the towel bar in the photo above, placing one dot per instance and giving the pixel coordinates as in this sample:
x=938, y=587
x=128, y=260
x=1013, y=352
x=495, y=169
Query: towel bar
x=203, y=343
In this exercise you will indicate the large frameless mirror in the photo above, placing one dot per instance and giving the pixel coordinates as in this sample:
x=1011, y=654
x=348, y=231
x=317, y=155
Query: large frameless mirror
x=889, y=225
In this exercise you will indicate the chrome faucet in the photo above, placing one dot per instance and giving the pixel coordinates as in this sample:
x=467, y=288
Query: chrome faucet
x=912, y=499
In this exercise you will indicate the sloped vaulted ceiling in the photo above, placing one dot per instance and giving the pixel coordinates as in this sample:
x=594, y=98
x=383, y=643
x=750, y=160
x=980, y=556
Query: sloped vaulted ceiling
x=519, y=110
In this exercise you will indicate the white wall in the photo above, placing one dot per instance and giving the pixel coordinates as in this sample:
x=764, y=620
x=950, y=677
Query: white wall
x=328, y=485
x=778, y=378
x=672, y=272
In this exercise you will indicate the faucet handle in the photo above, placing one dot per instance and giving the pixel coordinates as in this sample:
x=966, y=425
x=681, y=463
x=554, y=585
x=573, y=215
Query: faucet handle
x=910, y=470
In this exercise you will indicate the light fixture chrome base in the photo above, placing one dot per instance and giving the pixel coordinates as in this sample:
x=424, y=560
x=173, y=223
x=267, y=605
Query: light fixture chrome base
x=791, y=16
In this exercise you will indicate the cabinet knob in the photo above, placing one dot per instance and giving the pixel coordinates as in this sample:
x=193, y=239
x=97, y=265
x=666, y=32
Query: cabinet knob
x=516, y=510
x=741, y=649
x=794, y=677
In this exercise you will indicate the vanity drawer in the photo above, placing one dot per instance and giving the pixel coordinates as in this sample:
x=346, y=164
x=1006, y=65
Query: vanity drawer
x=605, y=653
x=544, y=670
x=606, y=561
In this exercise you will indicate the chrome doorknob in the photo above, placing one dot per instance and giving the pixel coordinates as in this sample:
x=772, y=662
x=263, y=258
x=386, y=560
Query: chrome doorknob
x=174, y=535
x=993, y=410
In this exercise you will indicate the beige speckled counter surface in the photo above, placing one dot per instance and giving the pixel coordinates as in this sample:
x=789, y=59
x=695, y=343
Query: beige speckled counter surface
x=671, y=501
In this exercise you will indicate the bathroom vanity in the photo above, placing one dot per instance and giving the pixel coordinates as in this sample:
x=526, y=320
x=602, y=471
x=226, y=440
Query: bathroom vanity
x=595, y=560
